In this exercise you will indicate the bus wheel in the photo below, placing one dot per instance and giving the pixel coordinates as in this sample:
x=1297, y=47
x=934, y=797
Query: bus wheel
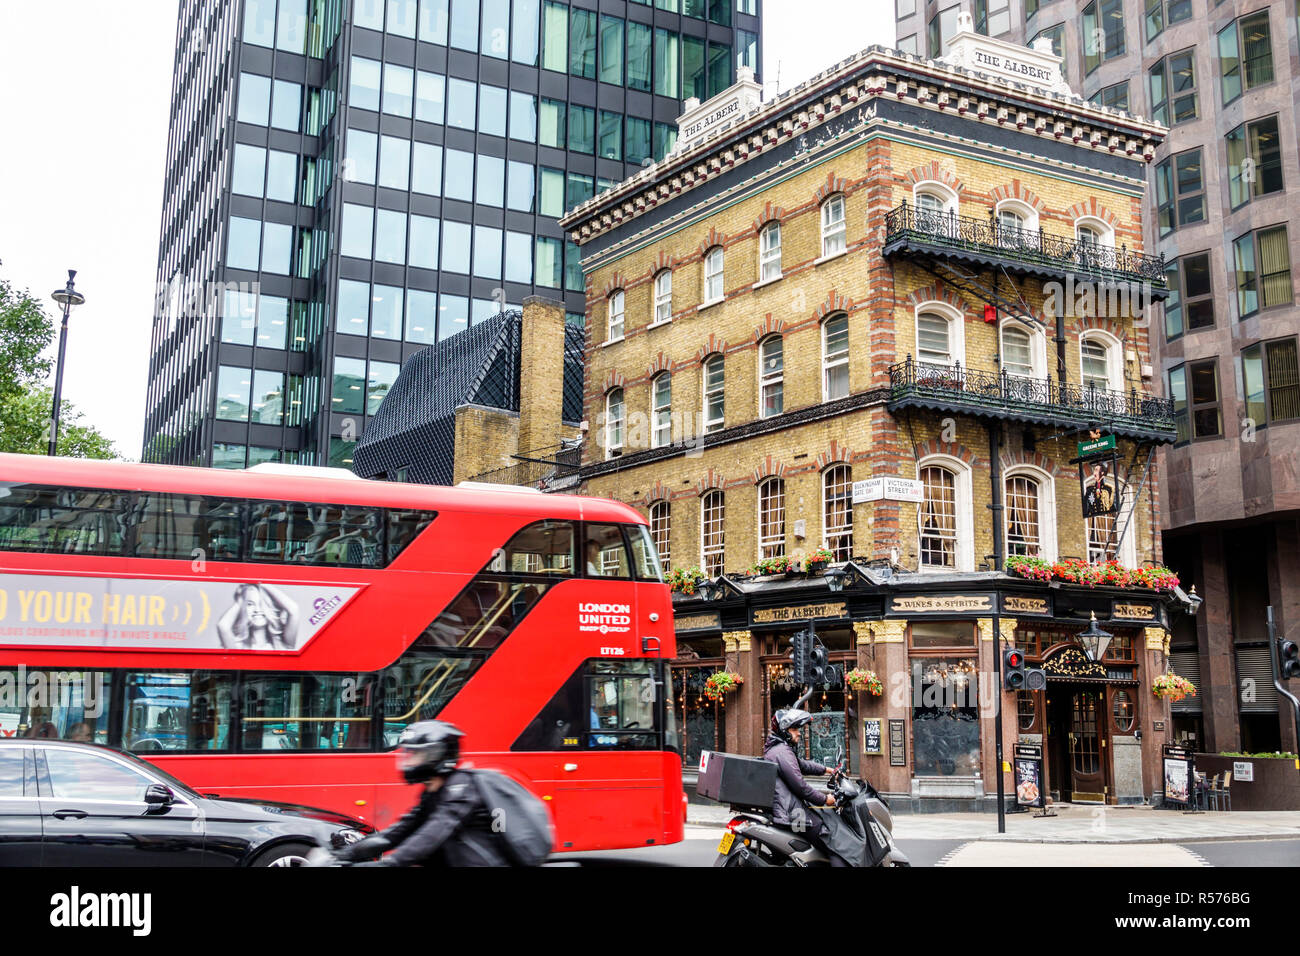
x=285, y=854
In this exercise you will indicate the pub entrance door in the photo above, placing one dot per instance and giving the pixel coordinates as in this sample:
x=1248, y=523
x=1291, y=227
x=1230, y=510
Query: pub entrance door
x=1077, y=746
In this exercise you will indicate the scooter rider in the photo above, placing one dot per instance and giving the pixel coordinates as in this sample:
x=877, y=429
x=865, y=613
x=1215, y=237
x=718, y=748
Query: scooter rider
x=792, y=790
x=450, y=826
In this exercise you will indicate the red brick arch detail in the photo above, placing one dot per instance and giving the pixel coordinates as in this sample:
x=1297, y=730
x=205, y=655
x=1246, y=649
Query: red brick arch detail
x=1037, y=459
x=712, y=481
x=770, y=213
x=835, y=454
x=834, y=303
x=1090, y=207
x=1085, y=323
x=769, y=468
x=938, y=292
x=662, y=363
x=712, y=346
x=834, y=184
x=663, y=261
x=613, y=284
x=932, y=446
x=714, y=238
x=613, y=380
x=1018, y=190
x=658, y=492
x=769, y=326
x=934, y=172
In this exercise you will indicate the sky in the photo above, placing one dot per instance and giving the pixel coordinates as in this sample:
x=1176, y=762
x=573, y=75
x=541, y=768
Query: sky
x=84, y=94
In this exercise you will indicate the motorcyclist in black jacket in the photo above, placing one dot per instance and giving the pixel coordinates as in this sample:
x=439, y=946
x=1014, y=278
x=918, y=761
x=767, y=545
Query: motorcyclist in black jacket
x=450, y=826
x=793, y=792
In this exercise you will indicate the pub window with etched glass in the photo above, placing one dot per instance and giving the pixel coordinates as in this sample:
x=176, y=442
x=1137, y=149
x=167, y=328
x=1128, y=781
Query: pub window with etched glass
x=945, y=700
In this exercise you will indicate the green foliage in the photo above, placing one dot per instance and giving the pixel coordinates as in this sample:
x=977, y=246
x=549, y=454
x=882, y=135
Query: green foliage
x=1275, y=755
x=25, y=332
x=24, y=427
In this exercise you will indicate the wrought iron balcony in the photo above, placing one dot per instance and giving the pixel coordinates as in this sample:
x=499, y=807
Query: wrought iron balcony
x=908, y=228
x=1040, y=401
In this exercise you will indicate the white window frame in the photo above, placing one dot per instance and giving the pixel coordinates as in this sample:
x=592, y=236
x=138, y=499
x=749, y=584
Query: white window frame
x=949, y=206
x=1037, y=348
x=836, y=361
x=1114, y=359
x=718, y=549
x=956, y=333
x=769, y=256
x=1029, y=218
x=661, y=412
x=616, y=315
x=834, y=230
x=1047, y=533
x=713, y=424
x=663, y=307
x=964, y=557
x=770, y=380
x=846, y=529
x=714, y=271
x=661, y=516
x=1105, y=234
x=1125, y=520
x=771, y=546
x=614, y=450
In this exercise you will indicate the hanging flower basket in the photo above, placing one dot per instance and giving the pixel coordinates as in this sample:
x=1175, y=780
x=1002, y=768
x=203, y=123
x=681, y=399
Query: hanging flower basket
x=1172, y=687
x=864, y=680
x=722, y=683
x=817, y=560
x=1109, y=574
x=685, y=580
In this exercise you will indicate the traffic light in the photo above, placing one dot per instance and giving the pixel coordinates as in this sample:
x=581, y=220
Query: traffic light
x=799, y=648
x=818, y=665
x=1013, y=669
x=1289, y=659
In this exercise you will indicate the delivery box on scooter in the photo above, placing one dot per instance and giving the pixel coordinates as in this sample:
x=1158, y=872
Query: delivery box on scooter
x=739, y=781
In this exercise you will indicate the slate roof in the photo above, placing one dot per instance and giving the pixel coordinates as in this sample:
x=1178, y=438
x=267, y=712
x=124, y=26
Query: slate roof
x=414, y=426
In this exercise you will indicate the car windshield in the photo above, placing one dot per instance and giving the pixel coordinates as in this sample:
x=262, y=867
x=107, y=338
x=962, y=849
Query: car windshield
x=158, y=772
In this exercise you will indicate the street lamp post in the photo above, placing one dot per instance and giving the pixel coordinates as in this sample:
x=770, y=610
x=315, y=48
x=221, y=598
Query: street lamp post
x=66, y=297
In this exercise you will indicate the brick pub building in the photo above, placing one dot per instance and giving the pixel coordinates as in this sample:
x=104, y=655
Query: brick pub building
x=857, y=318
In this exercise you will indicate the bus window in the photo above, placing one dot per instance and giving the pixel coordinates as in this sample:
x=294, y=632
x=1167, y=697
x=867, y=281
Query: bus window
x=485, y=612
x=315, y=534
x=178, y=526
x=645, y=556
x=605, y=705
x=306, y=712
x=404, y=527
x=544, y=547
x=176, y=711
x=55, y=705
x=606, y=556
x=61, y=520
x=421, y=682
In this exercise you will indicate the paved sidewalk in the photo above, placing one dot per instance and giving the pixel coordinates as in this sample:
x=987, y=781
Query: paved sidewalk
x=1077, y=823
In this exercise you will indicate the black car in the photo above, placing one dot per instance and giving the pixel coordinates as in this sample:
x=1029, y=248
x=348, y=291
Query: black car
x=73, y=804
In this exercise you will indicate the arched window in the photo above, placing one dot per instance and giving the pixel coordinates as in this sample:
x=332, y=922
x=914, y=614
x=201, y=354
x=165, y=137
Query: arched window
x=615, y=316
x=834, y=232
x=660, y=528
x=835, y=358
x=663, y=296
x=771, y=519
x=771, y=377
x=936, y=208
x=946, y=532
x=714, y=393
x=1017, y=224
x=939, y=335
x=713, y=513
x=1099, y=360
x=769, y=252
x=661, y=413
x=713, y=275
x=1103, y=530
x=1029, y=513
x=615, y=418
x=837, y=511
x=1094, y=232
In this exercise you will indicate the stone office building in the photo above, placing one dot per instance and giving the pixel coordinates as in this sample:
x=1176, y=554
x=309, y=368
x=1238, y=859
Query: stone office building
x=870, y=322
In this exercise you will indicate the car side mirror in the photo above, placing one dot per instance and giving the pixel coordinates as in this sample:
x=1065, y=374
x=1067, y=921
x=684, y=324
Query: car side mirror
x=156, y=796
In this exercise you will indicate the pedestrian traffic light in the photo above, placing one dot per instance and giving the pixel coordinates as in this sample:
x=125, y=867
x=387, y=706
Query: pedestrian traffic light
x=1013, y=669
x=1289, y=659
x=818, y=665
x=799, y=648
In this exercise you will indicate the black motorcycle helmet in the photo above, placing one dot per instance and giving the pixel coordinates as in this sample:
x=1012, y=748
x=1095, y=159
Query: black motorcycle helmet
x=428, y=749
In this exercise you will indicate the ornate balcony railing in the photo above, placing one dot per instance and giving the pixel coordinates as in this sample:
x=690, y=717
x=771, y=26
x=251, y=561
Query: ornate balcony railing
x=1038, y=251
x=1132, y=414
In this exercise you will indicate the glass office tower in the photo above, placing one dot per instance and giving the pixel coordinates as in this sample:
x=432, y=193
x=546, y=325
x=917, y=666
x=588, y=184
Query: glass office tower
x=350, y=181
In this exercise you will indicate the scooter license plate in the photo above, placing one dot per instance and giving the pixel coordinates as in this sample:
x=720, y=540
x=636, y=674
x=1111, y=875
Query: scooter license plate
x=728, y=838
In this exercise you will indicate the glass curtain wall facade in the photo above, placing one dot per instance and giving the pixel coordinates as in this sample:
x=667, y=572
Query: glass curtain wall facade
x=350, y=181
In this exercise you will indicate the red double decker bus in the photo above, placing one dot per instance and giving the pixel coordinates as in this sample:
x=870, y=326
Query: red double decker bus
x=269, y=633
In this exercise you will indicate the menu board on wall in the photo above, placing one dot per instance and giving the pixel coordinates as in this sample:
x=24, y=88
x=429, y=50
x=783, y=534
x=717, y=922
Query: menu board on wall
x=871, y=735
x=897, y=744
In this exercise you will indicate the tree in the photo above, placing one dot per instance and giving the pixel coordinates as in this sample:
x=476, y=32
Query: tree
x=25, y=422
x=25, y=333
